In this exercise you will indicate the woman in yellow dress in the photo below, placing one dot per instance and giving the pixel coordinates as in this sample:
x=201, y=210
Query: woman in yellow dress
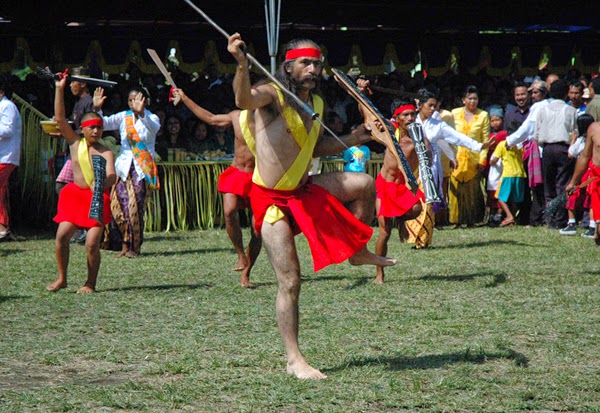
x=465, y=195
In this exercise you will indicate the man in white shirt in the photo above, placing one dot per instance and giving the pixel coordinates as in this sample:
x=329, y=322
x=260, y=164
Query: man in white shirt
x=10, y=150
x=554, y=126
x=135, y=167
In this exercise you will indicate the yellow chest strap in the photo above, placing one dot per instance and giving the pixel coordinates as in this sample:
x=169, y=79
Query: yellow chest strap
x=84, y=162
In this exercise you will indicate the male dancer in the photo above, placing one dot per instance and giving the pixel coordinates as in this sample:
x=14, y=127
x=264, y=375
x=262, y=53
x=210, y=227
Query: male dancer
x=235, y=184
x=75, y=198
x=284, y=200
x=394, y=200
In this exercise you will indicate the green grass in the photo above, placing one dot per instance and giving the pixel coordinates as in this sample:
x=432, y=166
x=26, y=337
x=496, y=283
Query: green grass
x=490, y=320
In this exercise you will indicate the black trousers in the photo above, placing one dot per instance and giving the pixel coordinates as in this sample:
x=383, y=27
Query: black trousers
x=557, y=169
x=531, y=211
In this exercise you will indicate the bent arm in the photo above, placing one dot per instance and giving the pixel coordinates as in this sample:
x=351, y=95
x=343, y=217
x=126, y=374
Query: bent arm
x=246, y=97
x=328, y=145
x=59, y=112
x=111, y=175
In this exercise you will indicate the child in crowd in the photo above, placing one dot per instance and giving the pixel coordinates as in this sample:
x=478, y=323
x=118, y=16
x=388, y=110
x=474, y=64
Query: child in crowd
x=511, y=190
x=579, y=200
x=494, y=172
x=75, y=198
x=356, y=158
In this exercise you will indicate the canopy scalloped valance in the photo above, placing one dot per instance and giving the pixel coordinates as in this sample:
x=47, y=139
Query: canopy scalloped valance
x=498, y=60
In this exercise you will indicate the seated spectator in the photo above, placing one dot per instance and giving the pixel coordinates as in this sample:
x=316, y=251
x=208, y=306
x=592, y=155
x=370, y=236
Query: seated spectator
x=199, y=141
x=173, y=137
x=223, y=137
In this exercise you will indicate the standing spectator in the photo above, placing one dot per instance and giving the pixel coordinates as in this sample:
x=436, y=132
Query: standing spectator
x=465, y=196
x=593, y=108
x=512, y=184
x=555, y=124
x=576, y=97
x=517, y=114
x=10, y=150
x=137, y=173
x=494, y=172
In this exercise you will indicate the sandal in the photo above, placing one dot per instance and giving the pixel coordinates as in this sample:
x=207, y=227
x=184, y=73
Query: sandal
x=507, y=222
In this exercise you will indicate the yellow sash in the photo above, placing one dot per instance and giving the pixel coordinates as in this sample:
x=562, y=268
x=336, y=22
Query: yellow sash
x=84, y=161
x=306, y=141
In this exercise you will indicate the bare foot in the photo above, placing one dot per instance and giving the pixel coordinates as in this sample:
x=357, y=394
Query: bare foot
x=241, y=264
x=366, y=257
x=86, y=289
x=121, y=254
x=303, y=371
x=131, y=254
x=245, y=281
x=378, y=280
x=56, y=285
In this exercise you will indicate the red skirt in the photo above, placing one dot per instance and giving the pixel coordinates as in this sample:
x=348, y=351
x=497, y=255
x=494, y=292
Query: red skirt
x=396, y=199
x=74, y=207
x=332, y=232
x=593, y=189
x=234, y=181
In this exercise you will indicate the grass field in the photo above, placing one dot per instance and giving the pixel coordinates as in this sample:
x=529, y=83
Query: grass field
x=489, y=320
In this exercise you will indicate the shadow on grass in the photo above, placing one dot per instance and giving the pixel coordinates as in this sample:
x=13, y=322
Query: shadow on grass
x=163, y=238
x=4, y=298
x=186, y=252
x=159, y=287
x=7, y=252
x=497, y=278
x=492, y=242
x=435, y=361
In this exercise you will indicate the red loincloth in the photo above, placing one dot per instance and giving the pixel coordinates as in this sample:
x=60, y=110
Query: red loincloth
x=74, y=207
x=234, y=181
x=580, y=199
x=396, y=199
x=593, y=189
x=333, y=233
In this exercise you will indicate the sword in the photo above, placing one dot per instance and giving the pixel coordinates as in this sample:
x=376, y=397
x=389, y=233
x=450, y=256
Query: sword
x=46, y=73
x=303, y=105
x=164, y=72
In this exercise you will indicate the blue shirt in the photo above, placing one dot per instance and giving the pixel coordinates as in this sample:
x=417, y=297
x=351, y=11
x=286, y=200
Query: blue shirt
x=356, y=158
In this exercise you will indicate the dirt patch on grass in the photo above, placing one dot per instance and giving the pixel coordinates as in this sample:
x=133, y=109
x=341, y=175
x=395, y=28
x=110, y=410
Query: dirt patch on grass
x=21, y=376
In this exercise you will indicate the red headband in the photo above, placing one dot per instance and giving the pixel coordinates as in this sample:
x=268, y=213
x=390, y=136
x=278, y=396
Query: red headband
x=92, y=122
x=303, y=52
x=404, y=108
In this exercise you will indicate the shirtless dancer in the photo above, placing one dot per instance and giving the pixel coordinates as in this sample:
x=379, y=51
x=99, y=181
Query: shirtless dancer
x=284, y=140
x=394, y=199
x=75, y=198
x=235, y=184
